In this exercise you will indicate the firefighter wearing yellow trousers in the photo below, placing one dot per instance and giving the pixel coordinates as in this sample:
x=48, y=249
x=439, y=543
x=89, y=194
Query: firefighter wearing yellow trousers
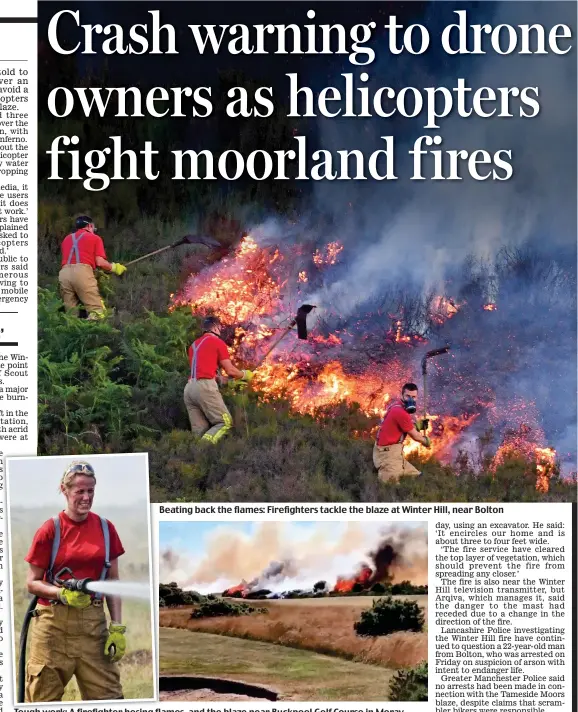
x=69, y=634
x=397, y=423
x=208, y=414
x=82, y=252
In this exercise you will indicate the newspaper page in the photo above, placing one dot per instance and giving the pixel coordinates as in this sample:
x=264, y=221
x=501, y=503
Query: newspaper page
x=289, y=352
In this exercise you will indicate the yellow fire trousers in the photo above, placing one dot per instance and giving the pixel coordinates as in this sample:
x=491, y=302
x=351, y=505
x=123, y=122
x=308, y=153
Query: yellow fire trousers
x=66, y=641
x=208, y=414
x=78, y=285
x=391, y=464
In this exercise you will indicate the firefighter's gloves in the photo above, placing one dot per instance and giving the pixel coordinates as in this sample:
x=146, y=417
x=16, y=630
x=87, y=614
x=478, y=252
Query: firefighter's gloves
x=75, y=599
x=117, y=268
x=115, y=645
x=247, y=376
x=427, y=442
x=422, y=424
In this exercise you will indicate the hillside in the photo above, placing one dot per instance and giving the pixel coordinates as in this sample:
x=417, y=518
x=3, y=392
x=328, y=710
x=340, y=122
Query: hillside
x=116, y=386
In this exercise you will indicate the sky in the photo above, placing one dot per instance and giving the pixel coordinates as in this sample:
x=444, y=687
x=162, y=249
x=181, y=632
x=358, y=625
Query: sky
x=120, y=480
x=193, y=538
x=211, y=556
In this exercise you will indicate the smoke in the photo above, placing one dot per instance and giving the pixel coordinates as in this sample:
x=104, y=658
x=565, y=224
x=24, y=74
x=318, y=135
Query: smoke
x=417, y=231
x=279, y=556
x=516, y=238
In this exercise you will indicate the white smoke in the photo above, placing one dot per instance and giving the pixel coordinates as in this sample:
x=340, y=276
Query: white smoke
x=281, y=556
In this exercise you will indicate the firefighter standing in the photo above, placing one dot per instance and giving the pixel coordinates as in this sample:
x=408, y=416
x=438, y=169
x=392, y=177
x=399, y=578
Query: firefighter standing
x=396, y=424
x=207, y=411
x=69, y=634
x=82, y=252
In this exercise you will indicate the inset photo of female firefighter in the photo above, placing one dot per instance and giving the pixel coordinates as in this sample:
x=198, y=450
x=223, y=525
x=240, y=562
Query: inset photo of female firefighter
x=81, y=578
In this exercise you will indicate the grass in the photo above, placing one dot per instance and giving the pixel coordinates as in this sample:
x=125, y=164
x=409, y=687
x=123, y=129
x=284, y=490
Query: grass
x=294, y=674
x=136, y=668
x=326, y=628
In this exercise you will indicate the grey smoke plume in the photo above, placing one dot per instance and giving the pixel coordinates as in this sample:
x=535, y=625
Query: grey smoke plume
x=278, y=556
x=418, y=231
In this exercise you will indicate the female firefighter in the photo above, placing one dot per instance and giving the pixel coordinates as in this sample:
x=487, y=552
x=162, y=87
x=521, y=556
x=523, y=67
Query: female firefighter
x=69, y=634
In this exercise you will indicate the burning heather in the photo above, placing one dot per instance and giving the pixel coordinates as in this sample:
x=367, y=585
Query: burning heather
x=488, y=388
x=327, y=557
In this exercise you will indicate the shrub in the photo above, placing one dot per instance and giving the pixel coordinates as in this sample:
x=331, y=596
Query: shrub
x=219, y=607
x=388, y=616
x=409, y=685
x=406, y=588
x=378, y=589
x=172, y=595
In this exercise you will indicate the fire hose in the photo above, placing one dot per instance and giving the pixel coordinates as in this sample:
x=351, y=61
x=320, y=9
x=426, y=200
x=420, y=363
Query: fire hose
x=72, y=584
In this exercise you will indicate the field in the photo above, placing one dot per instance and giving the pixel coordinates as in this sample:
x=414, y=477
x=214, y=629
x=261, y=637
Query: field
x=137, y=666
x=294, y=674
x=322, y=625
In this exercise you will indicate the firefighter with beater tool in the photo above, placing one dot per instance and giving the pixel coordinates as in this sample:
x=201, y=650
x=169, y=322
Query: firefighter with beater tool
x=208, y=414
x=82, y=252
x=69, y=635
x=397, y=423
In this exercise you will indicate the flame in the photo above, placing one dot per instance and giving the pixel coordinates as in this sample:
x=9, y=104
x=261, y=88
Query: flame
x=241, y=588
x=545, y=461
x=329, y=255
x=525, y=442
x=443, y=432
x=363, y=577
x=443, y=308
x=256, y=290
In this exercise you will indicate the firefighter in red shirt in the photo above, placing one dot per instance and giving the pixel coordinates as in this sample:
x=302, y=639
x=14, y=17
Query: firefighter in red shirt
x=397, y=423
x=207, y=411
x=69, y=634
x=82, y=252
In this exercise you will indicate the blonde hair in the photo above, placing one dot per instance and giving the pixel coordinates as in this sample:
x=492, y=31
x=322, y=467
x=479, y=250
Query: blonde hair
x=77, y=467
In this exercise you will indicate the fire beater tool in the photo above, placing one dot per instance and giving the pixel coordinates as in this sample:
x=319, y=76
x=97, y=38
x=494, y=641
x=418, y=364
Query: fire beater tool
x=428, y=355
x=300, y=321
x=186, y=240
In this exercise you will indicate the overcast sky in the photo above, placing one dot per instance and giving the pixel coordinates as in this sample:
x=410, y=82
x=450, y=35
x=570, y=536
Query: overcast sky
x=120, y=480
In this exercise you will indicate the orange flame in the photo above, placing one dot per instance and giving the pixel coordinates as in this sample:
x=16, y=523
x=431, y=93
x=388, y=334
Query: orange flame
x=344, y=585
x=255, y=291
x=490, y=307
x=545, y=461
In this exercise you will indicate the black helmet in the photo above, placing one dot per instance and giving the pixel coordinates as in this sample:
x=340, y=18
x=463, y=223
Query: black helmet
x=210, y=322
x=82, y=221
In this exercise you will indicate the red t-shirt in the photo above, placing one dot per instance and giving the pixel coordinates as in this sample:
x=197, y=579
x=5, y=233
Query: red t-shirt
x=395, y=425
x=90, y=246
x=81, y=547
x=211, y=350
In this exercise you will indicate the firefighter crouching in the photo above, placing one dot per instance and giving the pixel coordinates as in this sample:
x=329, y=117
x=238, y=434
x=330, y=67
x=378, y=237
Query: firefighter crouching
x=68, y=633
x=82, y=252
x=397, y=423
x=207, y=411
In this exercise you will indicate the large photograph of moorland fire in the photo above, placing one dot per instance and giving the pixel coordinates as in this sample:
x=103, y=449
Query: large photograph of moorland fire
x=293, y=611
x=330, y=295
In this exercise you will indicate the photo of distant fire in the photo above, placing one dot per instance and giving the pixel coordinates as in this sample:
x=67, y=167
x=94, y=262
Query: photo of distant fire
x=252, y=610
x=487, y=399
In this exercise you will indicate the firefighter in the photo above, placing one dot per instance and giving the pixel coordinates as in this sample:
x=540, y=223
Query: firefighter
x=207, y=411
x=69, y=633
x=396, y=424
x=82, y=252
